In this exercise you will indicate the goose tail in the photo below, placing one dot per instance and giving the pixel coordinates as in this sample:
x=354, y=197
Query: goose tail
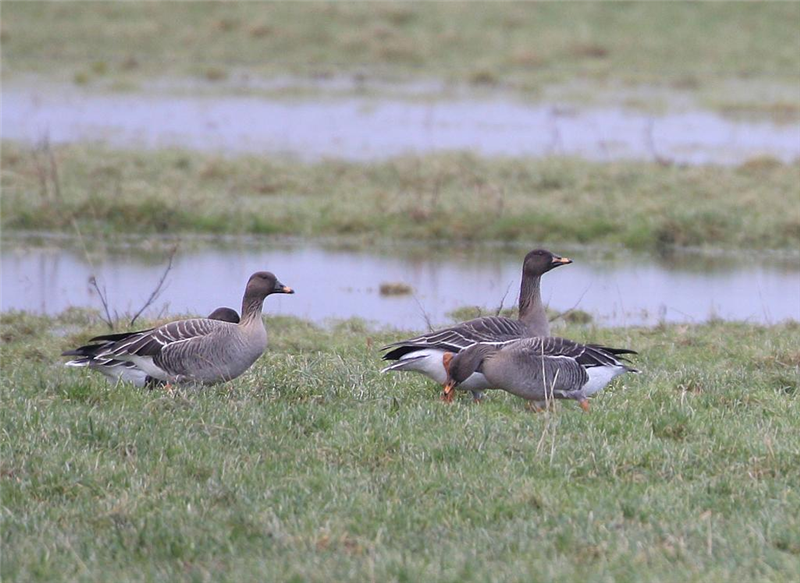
x=78, y=362
x=408, y=363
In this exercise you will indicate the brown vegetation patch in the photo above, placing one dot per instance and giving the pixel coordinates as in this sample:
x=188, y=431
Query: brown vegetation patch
x=397, y=288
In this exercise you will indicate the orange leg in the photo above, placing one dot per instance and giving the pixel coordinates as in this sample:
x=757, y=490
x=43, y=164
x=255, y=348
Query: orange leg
x=584, y=405
x=532, y=406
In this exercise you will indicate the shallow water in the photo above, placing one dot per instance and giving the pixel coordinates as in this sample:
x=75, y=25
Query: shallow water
x=363, y=128
x=617, y=288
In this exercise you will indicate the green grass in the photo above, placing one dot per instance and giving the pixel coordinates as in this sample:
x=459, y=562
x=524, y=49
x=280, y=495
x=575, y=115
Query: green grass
x=695, y=47
x=313, y=467
x=457, y=197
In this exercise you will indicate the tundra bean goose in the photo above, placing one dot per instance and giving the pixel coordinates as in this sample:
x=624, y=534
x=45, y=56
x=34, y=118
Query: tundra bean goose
x=424, y=353
x=540, y=369
x=198, y=350
x=124, y=370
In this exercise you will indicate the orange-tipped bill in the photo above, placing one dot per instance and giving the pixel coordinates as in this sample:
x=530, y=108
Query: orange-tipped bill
x=282, y=289
x=449, y=391
x=584, y=405
x=560, y=261
x=450, y=384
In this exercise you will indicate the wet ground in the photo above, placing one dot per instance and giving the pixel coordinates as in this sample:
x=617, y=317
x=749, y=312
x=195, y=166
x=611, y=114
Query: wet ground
x=363, y=128
x=617, y=288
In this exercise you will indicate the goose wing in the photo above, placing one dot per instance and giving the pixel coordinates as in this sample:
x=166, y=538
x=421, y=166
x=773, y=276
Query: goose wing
x=586, y=355
x=488, y=329
x=152, y=342
x=107, y=343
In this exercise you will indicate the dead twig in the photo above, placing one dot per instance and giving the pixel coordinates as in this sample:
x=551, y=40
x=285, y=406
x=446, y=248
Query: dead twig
x=650, y=143
x=556, y=144
x=573, y=308
x=503, y=301
x=41, y=174
x=104, y=299
x=425, y=314
x=46, y=165
x=159, y=287
x=54, y=171
x=103, y=294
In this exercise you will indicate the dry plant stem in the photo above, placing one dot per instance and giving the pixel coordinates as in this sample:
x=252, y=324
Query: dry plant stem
x=502, y=301
x=555, y=132
x=425, y=315
x=159, y=287
x=568, y=311
x=53, y=171
x=47, y=169
x=650, y=143
x=104, y=300
x=93, y=280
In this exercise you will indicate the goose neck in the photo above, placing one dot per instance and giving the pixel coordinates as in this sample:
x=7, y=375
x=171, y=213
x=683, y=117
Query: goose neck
x=530, y=295
x=531, y=309
x=251, y=309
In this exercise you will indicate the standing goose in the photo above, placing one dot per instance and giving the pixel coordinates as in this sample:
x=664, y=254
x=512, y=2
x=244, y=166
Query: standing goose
x=198, y=350
x=424, y=353
x=539, y=369
x=124, y=370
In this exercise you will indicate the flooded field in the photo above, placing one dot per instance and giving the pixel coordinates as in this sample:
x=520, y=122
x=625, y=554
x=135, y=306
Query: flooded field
x=616, y=288
x=363, y=128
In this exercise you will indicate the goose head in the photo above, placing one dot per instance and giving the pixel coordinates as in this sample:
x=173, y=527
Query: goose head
x=459, y=367
x=540, y=261
x=263, y=283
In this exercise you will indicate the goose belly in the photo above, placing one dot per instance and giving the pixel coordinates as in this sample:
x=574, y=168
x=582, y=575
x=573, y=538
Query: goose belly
x=146, y=365
x=114, y=370
x=599, y=377
x=228, y=366
x=120, y=372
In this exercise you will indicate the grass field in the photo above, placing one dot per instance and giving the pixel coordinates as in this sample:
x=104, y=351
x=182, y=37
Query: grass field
x=313, y=467
x=457, y=197
x=700, y=48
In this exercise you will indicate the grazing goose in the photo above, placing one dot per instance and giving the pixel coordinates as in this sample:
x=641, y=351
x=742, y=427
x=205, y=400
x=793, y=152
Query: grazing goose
x=124, y=370
x=539, y=369
x=424, y=353
x=199, y=350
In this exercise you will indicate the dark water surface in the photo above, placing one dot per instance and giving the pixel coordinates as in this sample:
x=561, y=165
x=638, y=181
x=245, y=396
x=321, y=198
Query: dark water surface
x=617, y=288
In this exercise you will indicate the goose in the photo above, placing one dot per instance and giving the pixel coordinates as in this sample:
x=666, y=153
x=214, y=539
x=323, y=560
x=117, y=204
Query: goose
x=424, y=353
x=198, y=350
x=124, y=370
x=539, y=369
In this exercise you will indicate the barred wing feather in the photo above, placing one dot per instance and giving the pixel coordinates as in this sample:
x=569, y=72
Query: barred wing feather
x=151, y=342
x=586, y=355
x=488, y=329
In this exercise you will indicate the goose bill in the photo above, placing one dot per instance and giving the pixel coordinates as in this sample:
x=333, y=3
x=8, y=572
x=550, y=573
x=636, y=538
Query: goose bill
x=449, y=392
x=560, y=261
